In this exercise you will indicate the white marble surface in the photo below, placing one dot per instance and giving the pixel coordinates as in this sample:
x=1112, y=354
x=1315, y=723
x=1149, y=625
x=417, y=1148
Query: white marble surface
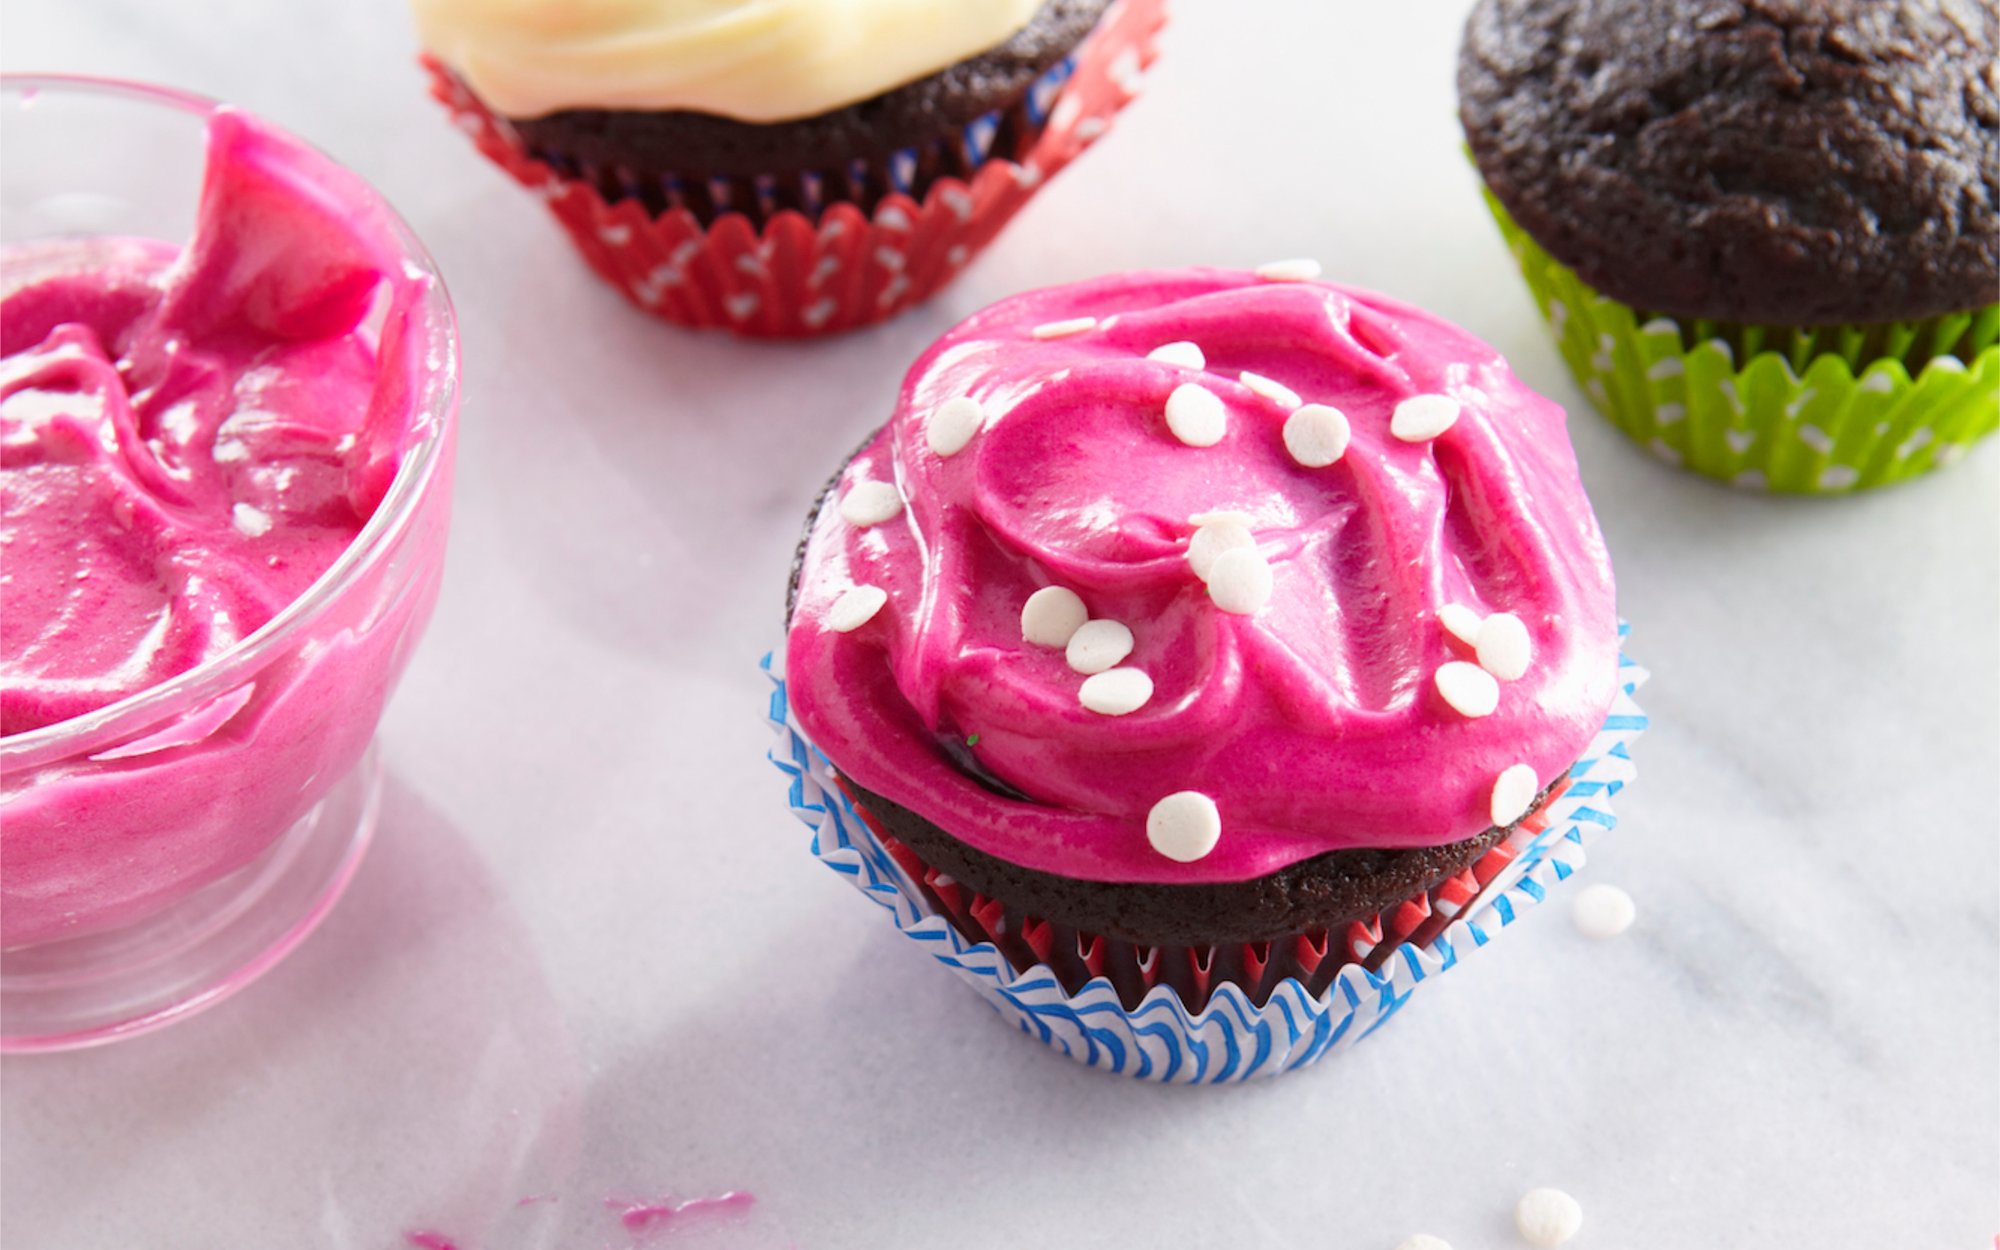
x=590, y=955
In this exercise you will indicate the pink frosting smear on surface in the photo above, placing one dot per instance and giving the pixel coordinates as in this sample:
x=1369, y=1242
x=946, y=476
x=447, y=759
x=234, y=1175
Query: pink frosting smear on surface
x=189, y=438
x=1315, y=723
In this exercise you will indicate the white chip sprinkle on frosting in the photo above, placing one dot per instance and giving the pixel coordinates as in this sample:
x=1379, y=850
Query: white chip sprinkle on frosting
x=1546, y=1218
x=1503, y=646
x=1421, y=418
x=1316, y=435
x=1184, y=827
x=1063, y=329
x=952, y=425
x=1300, y=269
x=1240, y=581
x=1469, y=689
x=1116, y=692
x=1183, y=353
x=856, y=607
x=1214, y=538
x=1196, y=416
x=1603, y=911
x=1270, y=388
x=1052, y=616
x=1098, y=646
x=1514, y=793
x=1460, y=622
x=870, y=503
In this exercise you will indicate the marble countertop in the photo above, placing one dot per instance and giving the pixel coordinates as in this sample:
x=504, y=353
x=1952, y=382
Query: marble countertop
x=590, y=957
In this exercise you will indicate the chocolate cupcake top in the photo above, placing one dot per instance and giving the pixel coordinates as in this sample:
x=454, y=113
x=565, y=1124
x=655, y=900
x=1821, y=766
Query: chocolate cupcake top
x=1779, y=162
x=1188, y=577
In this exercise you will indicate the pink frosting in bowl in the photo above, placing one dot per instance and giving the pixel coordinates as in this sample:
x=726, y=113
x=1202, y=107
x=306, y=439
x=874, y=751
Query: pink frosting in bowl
x=1295, y=682
x=225, y=469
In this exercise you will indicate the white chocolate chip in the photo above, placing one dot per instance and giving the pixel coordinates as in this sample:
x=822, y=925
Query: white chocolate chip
x=870, y=503
x=1469, y=689
x=1117, y=691
x=249, y=521
x=1097, y=646
x=1214, y=538
x=1460, y=622
x=1271, y=389
x=1063, y=329
x=1423, y=417
x=1302, y=269
x=1184, y=827
x=1196, y=415
x=1423, y=1241
x=1514, y=793
x=1503, y=646
x=855, y=608
x=1240, y=581
x=1547, y=1218
x=1200, y=519
x=1052, y=616
x=1317, y=435
x=1183, y=353
x=1603, y=911
x=952, y=425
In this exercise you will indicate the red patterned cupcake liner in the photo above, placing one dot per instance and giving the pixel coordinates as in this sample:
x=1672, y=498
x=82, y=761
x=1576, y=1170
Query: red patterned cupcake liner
x=799, y=277
x=1076, y=957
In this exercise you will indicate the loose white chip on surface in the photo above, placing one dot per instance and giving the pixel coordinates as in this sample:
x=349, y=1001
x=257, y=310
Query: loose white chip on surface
x=1275, y=391
x=1196, y=415
x=1502, y=646
x=1240, y=581
x=1547, y=1217
x=1514, y=793
x=1097, y=646
x=1052, y=616
x=1214, y=538
x=1184, y=827
x=855, y=608
x=1317, y=435
x=1183, y=353
x=1117, y=691
x=1603, y=911
x=1301, y=269
x=952, y=425
x=1423, y=417
x=870, y=503
x=1063, y=329
x=1423, y=1241
x=1469, y=689
x=1461, y=623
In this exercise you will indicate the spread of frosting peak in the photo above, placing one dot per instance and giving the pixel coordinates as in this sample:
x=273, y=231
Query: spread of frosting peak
x=1327, y=566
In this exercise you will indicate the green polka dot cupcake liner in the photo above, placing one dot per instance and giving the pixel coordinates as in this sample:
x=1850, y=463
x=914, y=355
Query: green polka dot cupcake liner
x=1815, y=411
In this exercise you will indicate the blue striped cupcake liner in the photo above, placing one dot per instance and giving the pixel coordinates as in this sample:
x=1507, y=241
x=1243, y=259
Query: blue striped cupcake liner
x=1231, y=1039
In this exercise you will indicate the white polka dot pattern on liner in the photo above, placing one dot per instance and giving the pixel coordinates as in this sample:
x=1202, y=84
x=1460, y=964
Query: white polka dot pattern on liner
x=1514, y=793
x=1602, y=911
x=1461, y=623
x=1423, y=1241
x=1503, y=646
x=1184, y=827
x=1116, y=692
x=1546, y=1218
x=1271, y=389
x=1196, y=416
x=1301, y=269
x=1317, y=435
x=952, y=425
x=870, y=503
x=1469, y=689
x=1052, y=616
x=1097, y=646
x=1212, y=540
x=1183, y=353
x=856, y=607
x=1423, y=417
x=1063, y=329
x=1241, y=581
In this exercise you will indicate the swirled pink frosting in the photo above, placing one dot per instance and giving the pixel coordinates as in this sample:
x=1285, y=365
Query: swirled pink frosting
x=1314, y=724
